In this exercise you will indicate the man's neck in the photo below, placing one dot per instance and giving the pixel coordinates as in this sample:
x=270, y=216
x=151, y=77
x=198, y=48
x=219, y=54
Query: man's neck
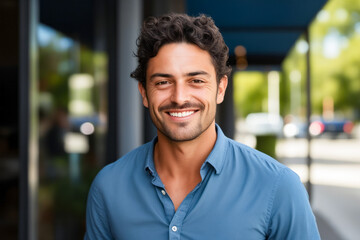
x=181, y=159
x=178, y=163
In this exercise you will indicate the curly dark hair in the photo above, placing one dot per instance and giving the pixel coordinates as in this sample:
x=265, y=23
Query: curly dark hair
x=173, y=28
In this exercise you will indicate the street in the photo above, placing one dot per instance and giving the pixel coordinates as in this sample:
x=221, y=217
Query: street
x=335, y=175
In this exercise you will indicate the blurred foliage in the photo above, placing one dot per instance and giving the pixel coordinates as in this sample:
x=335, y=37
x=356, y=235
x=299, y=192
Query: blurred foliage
x=56, y=67
x=59, y=58
x=62, y=201
x=335, y=68
x=250, y=93
x=335, y=58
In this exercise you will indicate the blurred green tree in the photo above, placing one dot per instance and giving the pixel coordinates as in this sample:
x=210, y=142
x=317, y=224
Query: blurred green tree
x=250, y=90
x=335, y=59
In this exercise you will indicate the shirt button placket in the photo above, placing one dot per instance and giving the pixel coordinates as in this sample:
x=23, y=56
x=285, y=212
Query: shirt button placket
x=174, y=233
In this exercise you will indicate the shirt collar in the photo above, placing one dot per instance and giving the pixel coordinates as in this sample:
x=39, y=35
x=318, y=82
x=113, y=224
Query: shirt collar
x=216, y=157
x=149, y=163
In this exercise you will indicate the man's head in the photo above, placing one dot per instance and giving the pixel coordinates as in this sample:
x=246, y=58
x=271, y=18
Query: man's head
x=177, y=28
x=182, y=74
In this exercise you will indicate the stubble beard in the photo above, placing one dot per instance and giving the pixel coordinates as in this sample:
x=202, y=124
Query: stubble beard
x=182, y=131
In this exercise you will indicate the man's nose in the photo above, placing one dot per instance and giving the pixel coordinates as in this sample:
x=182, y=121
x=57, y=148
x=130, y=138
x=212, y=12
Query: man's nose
x=180, y=94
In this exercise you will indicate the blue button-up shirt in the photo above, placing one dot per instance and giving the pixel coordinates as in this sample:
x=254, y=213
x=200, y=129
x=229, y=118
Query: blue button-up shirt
x=244, y=194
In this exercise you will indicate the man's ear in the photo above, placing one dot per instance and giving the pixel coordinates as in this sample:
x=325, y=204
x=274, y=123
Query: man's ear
x=143, y=94
x=221, y=89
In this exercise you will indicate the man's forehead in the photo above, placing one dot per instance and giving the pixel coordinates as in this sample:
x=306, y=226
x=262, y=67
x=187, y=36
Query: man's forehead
x=188, y=57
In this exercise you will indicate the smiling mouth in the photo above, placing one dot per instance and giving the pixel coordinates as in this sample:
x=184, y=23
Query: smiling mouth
x=181, y=114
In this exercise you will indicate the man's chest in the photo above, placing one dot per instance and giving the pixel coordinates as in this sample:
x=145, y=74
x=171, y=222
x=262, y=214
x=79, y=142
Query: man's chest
x=203, y=214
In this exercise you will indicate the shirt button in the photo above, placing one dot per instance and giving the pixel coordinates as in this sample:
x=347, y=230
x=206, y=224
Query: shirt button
x=174, y=228
x=163, y=192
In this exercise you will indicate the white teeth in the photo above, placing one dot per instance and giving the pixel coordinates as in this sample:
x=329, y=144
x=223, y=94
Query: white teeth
x=181, y=114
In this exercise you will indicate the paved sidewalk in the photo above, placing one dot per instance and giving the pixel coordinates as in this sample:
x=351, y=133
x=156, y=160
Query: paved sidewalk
x=327, y=232
x=335, y=176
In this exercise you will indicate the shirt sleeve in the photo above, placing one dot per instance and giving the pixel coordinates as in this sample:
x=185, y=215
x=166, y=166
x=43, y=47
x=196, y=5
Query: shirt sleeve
x=97, y=225
x=291, y=216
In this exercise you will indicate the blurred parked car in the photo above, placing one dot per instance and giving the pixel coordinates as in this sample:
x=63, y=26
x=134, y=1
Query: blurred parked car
x=294, y=127
x=260, y=124
x=295, y=130
x=333, y=128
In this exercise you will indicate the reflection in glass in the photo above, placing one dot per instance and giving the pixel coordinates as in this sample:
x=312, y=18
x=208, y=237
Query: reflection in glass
x=72, y=82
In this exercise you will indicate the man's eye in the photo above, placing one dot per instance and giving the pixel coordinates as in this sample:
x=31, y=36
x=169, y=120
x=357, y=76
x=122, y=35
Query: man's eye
x=162, y=83
x=197, y=81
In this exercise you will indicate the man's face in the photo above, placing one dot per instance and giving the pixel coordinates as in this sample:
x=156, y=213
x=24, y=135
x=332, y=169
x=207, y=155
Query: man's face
x=181, y=91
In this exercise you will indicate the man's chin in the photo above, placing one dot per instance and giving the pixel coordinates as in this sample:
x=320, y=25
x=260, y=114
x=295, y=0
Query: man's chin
x=181, y=134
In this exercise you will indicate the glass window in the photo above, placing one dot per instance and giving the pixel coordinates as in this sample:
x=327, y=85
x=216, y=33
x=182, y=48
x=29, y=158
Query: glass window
x=73, y=73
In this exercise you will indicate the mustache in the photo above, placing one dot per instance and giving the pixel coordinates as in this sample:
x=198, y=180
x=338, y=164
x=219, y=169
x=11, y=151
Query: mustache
x=175, y=106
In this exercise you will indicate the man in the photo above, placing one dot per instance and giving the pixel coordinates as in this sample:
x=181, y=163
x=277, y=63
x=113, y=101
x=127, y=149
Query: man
x=191, y=182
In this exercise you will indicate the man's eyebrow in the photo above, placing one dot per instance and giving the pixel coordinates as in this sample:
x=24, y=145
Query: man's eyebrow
x=163, y=75
x=191, y=74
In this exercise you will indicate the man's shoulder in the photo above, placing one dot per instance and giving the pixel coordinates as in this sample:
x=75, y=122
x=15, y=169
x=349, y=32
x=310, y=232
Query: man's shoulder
x=262, y=170
x=254, y=158
x=127, y=164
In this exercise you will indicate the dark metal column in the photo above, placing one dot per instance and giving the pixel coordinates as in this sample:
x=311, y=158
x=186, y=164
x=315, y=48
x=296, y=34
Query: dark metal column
x=308, y=112
x=28, y=119
x=225, y=111
x=130, y=109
